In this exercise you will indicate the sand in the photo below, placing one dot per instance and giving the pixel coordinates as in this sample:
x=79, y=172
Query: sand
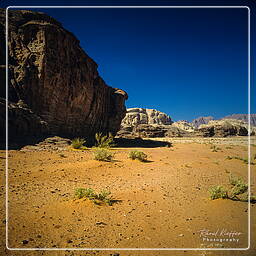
x=161, y=203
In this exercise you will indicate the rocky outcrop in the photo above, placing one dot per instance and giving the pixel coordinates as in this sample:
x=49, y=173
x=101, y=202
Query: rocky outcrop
x=144, y=123
x=184, y=125
x=201, y=120
x=243, y=117
x=56, y=79
x=136, y=116
x=151, y=123
x=223, y=128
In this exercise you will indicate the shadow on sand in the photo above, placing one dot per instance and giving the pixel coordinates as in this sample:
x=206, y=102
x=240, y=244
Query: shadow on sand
x=140, y=143
x=18, y=143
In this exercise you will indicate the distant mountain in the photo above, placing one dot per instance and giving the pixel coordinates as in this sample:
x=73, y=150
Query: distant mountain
x=201, y=120
x=242, y=117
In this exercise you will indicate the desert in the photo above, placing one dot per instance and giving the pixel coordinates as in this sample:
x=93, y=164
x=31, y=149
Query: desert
x=88, y=168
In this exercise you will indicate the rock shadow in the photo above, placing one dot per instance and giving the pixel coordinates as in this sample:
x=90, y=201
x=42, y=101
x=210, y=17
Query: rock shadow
x=140, y=143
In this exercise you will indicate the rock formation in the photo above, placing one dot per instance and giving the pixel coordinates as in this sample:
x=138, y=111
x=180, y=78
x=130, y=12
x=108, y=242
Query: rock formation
x=184, y=125
x=242, y=117
x=201, y=120
x=136, y=116
x=139, y=123
x=151, y=123
x=223, y=128
x=57, y=81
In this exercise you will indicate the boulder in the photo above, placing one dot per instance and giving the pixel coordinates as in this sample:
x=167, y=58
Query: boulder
x=56, y=79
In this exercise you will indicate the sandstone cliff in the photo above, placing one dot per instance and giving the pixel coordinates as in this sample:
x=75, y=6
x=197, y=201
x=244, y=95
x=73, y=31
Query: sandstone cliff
x=56, y=79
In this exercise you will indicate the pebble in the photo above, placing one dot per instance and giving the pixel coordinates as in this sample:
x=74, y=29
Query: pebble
x=25, y=242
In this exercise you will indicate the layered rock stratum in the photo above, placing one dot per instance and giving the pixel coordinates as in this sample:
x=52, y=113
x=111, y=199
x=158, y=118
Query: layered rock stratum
x=55, y=79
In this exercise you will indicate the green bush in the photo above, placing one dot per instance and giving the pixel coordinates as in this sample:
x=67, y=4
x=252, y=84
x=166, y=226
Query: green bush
x=218, y=192
x=102, y=154
x=89, y=193
x=78, y=143
x=104, y=141
x=239, y=186
x=135, y=154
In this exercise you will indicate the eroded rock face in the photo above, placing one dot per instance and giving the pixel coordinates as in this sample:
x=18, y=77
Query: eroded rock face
x=151, y=123
x=223, y=128
x=184, y=125
x=56, y=79
x=136, y=116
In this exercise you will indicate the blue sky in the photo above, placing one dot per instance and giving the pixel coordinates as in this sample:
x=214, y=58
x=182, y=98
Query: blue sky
x=184, y=62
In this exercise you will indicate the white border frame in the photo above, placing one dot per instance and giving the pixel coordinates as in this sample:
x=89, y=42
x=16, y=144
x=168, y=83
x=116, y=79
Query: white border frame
x=136, y=249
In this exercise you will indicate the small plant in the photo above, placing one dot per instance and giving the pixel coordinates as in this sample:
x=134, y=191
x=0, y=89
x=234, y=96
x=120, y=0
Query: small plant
x=89, y=193
x=218, y=192
x=102, y=154
x=214, y=148
x=245, y=160
x=80, y=192
x=104, y=141
x=135, y=154
x=104, y=196
x=78, y=143
x=239, y=186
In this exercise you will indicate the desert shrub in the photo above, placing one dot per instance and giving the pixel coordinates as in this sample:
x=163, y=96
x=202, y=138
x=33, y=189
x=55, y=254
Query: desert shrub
x=102, y=154
x=238, y=186
x=218, y=192
x=89, y=193
x=135, y=154
x=78, y=143
x=214, y=148
x=104, y=196
x=245, y=160
x=104, y=141
x=80, y=192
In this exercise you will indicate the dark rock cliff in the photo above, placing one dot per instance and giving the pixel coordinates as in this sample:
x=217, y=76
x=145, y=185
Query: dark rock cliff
x=56, y=80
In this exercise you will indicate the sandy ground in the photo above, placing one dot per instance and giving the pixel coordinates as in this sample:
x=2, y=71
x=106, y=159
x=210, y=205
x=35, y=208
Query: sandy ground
x=162, y=203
